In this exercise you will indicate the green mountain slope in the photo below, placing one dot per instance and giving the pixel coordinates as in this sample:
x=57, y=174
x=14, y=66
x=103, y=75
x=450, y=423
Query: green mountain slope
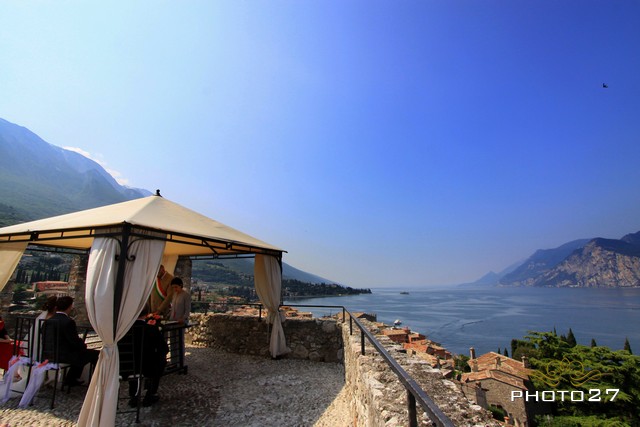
x=39, y=180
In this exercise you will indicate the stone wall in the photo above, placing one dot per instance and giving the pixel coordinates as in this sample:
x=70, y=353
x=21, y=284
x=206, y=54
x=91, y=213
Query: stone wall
x=378, y=398
x=376, y=395
x=318, y=340
x=78, y=278
x=183, y=271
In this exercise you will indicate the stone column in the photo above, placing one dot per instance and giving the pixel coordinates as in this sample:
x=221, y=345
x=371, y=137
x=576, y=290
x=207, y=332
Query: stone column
x=183, y=271
x=78, y=281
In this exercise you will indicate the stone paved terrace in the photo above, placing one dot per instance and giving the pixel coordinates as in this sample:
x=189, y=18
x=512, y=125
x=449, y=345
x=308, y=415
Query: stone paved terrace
x=220, y=389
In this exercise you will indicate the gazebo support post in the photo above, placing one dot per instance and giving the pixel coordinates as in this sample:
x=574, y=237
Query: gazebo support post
x=281, y=287
x=122, y=263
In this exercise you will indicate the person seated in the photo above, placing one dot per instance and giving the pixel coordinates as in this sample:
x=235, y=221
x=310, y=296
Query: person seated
x=48, y=308
x=48, y=311
x=71, y=348
x=150, y=348
x=4, y=335
x=6, y=346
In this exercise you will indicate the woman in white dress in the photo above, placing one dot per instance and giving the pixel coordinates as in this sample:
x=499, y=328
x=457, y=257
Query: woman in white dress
x=49, y=309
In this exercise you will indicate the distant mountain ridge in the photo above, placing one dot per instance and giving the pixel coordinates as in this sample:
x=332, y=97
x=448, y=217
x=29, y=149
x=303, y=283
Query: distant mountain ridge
x=39, y=180
x=244, y=267
x=541, y=261
x=594, y=263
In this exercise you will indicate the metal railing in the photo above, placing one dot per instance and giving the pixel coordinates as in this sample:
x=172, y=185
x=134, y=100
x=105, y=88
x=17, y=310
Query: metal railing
x=415, y=394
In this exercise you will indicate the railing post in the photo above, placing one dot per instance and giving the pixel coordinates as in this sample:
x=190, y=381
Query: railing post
x=260, y=312
x=362, y=342
x=411, y=406
x=350, y=325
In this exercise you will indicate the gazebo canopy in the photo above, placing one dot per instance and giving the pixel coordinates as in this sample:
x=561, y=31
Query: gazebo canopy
x=187, y=232
x=126, y=243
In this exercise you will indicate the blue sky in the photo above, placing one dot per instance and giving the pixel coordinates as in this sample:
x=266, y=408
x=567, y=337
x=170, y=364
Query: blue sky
x=380, y=142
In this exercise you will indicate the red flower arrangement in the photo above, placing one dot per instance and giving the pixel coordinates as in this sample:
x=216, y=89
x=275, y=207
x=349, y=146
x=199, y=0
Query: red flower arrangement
x=152, y=318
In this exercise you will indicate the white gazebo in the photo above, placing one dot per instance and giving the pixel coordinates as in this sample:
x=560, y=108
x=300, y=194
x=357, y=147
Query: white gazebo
x=127, y=242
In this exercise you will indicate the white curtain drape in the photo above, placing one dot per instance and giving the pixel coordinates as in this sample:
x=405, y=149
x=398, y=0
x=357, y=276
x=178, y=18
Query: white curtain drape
x=268, y=281
x=38, y=373
x=14, y=366
x=99, y=408
x=10, y=254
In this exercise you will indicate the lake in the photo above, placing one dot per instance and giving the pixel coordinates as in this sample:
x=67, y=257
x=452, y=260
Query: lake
x=488, y=318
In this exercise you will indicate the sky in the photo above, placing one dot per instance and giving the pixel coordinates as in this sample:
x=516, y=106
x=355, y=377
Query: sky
x=380, y=143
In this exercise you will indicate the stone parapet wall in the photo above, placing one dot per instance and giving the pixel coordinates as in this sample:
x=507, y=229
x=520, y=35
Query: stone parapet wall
x=375, y=394
x=378, y=398
x=317, y=340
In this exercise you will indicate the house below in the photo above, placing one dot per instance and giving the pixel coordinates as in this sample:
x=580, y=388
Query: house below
x=492, y=380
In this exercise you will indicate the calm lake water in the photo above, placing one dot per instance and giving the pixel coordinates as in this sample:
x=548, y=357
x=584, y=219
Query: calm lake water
x=489, y=318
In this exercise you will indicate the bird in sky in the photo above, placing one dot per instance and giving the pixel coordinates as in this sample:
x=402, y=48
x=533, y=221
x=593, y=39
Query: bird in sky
x=605, y=86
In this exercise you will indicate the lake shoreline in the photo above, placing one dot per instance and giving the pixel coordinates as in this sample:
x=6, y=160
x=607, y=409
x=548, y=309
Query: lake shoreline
x=488, y=318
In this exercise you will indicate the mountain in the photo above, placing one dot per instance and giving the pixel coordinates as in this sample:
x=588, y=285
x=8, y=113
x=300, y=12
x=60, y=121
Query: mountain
x=289, y=272
x=39, y=180
x=240, y=271
x=633, y=239
x=601, y=263
x=541, y=261
x=492, y=278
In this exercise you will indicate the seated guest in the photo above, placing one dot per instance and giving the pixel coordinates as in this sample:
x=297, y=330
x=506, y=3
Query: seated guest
x=71, y=348
x=48, y=310
x=4, y=335
x=6, y=346
x=150, y=348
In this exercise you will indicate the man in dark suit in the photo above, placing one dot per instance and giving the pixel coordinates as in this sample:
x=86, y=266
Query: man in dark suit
x=71, y=348
x=150, y=350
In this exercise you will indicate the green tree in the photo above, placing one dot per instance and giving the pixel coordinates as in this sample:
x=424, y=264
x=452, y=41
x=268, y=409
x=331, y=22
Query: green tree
x=593, y=343
x=521, y=348
x=570, y=421
x=627, y=346
x=20, y=293
x=461, y=363
x=590, y=370
x=498, y=413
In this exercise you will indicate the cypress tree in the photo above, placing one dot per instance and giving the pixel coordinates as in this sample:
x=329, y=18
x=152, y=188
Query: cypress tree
x=593, y=343
x=506, y=353
x=627, y=346
x=571, y=339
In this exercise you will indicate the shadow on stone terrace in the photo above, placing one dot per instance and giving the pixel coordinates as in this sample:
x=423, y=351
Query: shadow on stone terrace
x=220, y=389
